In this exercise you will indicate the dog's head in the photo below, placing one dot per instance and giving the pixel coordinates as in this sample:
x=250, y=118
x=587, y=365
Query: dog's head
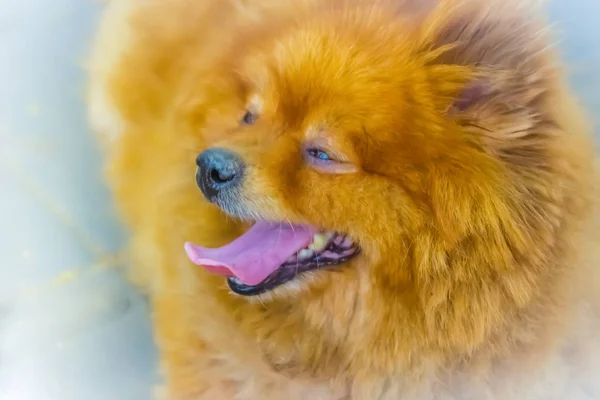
x=402, y=171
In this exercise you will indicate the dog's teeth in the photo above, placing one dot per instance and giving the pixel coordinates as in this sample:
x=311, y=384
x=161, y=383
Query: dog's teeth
x=319, y=242
x=304, y=254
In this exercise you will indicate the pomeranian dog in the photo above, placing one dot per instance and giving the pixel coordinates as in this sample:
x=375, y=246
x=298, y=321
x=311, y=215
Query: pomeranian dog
x=353, y=199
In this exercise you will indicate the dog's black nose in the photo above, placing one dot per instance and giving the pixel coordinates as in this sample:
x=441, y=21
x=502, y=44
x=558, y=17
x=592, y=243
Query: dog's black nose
x=218, y=170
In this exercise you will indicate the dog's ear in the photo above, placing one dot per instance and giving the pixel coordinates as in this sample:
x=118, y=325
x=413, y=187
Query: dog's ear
x=499, y=79
x=496, y=33
x=508, y=67
x=503, y=42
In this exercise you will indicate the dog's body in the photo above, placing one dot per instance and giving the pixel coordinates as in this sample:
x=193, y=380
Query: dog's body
x=469, y=184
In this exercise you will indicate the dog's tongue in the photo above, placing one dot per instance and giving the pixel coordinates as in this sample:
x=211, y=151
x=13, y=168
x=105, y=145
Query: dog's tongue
x=256, y=254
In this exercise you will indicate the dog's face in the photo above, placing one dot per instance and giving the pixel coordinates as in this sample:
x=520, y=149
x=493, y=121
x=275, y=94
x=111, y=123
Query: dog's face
x=380, y=206
x=328, y=132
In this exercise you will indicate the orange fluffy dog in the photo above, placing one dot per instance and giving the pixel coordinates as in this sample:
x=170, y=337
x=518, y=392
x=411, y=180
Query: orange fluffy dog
x=379, y=199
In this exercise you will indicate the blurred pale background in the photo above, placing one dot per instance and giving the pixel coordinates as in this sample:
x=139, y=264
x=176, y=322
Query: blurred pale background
x=70, y=327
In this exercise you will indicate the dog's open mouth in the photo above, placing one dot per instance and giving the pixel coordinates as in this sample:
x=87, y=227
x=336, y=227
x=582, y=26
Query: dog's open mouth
x=271, y=254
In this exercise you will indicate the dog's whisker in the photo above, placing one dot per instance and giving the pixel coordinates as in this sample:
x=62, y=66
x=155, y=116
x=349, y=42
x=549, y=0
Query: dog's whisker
x=291, y=226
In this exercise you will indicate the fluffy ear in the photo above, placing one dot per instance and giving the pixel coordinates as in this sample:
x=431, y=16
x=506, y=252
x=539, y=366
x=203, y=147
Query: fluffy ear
x=505, y=45
x=500, y=33
x=508, y=91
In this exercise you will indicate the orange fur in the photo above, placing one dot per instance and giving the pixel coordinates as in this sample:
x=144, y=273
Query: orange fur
x=475, y=221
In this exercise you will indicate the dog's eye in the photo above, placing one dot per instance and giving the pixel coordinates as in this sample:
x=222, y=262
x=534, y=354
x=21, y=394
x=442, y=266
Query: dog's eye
x=319, y=156
x=323, y=161
x=249, y=118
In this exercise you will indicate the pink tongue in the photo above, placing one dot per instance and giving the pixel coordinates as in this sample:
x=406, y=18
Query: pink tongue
x=256, y=254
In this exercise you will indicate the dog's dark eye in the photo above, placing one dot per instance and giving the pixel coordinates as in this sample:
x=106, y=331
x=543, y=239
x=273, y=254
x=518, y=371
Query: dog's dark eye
x=249, y=118
x=324, y=161
x=319, y=155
